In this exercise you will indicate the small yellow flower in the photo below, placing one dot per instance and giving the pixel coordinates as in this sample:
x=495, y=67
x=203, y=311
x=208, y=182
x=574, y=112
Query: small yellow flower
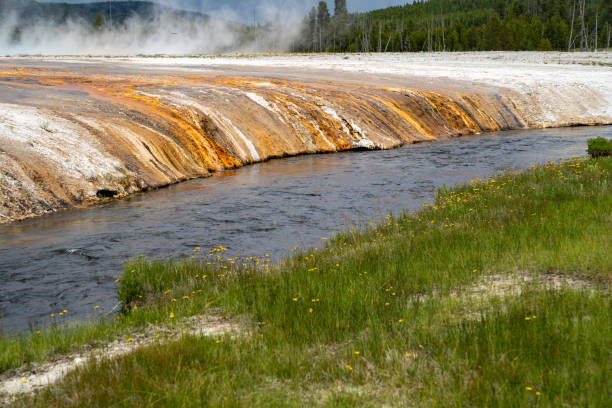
x=24, y=381
x=130, y=340
x=295, y=299
x=420, y=346
x=537, y=393
x=117, y=280
x=349, y=367
x=96, y=307
x=172, y=315
x=173, y=300
x=528, y=388
x=533, y=317
x=65, y=311
x=528, y=318
x=310, y=310
x=387, y=304
x=185, y=297
x=38, y=332
x=400, y=321
x=52, y=314
x=408, y=354
x=218, y=341
x=356, y=353
x=157, y=336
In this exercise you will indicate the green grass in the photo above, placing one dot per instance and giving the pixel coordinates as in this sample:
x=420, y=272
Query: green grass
x=599, y=146
x=415, y=296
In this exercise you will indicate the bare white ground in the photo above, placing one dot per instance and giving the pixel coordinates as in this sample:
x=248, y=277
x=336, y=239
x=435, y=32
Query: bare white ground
x=43, y=375
x=471, y=302
x=556, y=88
x=55, y=140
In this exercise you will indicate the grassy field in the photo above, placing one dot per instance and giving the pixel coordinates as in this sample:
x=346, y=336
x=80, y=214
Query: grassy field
x=496, y=295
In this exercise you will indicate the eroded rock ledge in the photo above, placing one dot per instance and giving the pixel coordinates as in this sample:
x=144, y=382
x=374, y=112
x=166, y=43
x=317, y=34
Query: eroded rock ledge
x=73, y=133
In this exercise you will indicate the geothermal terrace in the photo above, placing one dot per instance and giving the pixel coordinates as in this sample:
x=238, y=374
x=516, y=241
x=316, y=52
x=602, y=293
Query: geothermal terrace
x=75, y=131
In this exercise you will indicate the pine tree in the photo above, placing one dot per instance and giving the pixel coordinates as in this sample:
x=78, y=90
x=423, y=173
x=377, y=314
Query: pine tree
x=99, y=23
x=340, y=8
x=323, y=19
x=312, y=29
x=323, y=15
x=16, y=36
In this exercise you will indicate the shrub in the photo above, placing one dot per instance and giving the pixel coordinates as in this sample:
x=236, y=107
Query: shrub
x=599, y=147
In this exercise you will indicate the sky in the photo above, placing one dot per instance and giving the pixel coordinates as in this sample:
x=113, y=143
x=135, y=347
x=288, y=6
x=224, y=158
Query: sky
x=264, y=10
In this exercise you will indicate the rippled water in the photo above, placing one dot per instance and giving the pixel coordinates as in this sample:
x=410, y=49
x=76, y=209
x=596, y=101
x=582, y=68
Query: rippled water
x=71, y=260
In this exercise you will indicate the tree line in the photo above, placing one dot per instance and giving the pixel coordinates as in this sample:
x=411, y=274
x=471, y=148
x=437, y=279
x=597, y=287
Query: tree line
x=460, y=25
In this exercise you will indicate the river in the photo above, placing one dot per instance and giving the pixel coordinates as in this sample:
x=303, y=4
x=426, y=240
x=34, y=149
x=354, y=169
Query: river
x=71, y=260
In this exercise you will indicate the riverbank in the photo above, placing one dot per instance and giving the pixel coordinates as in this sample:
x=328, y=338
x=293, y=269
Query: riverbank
x=496, y=294
x=78, y=131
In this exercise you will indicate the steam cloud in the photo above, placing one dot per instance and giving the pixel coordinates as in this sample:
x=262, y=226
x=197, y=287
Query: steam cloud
x=162, y=33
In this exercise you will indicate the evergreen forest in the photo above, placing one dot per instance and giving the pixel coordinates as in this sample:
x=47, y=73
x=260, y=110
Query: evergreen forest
x=460, y=25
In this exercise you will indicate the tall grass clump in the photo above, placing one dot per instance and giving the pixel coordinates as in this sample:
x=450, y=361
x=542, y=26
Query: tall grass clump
x=599, y=146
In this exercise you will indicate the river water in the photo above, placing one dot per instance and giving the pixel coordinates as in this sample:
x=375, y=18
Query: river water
x=70, y=260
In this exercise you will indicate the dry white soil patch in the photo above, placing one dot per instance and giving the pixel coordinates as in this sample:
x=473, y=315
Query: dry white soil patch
x=42, y=375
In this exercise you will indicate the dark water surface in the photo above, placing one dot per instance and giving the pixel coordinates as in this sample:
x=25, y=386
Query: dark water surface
x=71, y=260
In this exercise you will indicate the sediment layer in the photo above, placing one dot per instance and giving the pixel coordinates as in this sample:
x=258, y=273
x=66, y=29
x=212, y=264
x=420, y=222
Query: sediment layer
x=77, y=133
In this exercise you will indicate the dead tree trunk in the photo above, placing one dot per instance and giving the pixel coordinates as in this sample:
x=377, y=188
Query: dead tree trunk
x=430, y=36
x=583, y=36
x=443, y=39
x=569, y=42
x=596, y=34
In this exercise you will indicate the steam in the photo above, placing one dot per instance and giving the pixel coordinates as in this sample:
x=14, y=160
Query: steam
x=163, y=33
